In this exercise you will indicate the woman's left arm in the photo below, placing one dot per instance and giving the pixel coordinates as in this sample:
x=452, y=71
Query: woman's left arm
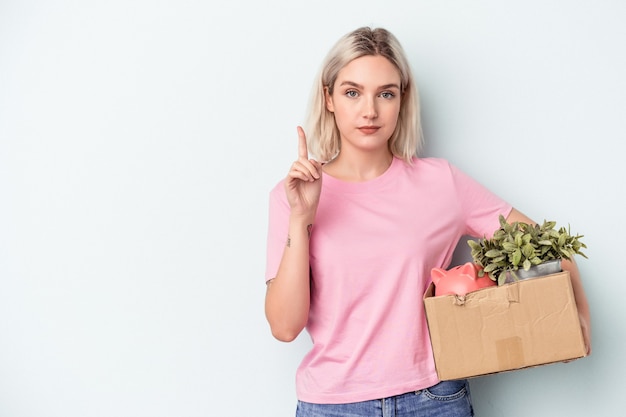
x=577, y=285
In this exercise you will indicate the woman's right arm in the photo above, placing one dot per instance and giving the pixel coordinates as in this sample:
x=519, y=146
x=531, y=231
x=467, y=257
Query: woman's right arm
x=288, y=295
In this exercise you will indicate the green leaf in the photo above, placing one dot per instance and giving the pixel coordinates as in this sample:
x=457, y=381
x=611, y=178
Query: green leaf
x=502, y=220
x=528, y=250
x=473, y=244
x=536, y=261
x=548, y=225
x=509, y=247
x=516, y=257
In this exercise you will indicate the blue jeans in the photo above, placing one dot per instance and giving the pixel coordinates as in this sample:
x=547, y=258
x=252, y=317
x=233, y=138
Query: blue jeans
x=446, y=399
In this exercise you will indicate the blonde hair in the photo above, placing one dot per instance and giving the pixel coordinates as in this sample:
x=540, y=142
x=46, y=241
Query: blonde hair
x=322, y=132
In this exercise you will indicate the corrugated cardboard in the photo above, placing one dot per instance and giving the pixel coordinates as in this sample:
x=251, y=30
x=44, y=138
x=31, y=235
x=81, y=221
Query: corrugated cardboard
x=526, y=323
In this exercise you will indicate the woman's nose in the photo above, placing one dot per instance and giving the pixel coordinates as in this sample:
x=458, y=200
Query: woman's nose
x=370, y=111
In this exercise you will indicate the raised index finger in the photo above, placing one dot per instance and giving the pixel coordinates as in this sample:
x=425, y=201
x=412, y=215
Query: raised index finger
x=303, y=152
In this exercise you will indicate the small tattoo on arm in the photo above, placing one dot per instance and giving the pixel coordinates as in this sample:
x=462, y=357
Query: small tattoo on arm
x=309, y=227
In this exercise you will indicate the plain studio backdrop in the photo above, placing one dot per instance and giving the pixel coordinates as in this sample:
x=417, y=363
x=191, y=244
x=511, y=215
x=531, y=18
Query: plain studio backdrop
x=138, y=144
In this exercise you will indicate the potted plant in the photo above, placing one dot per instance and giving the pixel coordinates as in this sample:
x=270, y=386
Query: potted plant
x=521, y=250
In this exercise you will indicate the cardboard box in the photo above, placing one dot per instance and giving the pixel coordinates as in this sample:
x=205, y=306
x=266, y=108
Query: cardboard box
x=526, y=323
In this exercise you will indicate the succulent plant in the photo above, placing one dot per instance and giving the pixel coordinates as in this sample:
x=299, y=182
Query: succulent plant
x=521, y=245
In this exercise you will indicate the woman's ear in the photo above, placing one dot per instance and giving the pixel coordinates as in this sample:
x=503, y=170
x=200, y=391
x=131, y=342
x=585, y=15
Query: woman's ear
x=329, y=100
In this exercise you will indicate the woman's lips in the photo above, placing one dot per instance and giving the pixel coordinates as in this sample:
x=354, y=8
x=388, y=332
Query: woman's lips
x=368, y=130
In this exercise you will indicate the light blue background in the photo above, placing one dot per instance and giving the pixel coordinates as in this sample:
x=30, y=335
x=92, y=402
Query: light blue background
x=139, y=141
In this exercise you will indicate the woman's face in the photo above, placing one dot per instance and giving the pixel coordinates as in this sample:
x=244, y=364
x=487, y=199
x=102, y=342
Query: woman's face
x=366, y=103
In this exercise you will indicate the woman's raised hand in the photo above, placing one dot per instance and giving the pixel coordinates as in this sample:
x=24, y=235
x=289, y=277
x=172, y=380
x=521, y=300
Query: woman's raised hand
x=304, y=181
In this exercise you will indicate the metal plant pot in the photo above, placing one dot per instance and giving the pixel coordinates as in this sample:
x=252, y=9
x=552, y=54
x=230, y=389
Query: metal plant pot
x=546, y=268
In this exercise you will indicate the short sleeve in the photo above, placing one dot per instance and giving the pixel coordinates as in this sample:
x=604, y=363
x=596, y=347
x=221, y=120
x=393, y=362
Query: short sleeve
x=481, y=208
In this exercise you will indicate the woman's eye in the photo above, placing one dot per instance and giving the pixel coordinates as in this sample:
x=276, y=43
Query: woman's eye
x=351, y=93
x=387, y=94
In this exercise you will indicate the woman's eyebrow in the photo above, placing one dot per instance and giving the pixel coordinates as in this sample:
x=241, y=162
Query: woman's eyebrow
x=386, y=86
x=382, y=87
x=351, y=83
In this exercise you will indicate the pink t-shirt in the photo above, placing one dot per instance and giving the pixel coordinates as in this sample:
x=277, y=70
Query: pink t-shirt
x=372, y=248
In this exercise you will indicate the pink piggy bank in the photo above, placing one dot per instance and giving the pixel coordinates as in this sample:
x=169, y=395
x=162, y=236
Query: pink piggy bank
x=459, y=280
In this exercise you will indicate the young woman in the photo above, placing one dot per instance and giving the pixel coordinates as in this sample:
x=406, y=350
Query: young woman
x=355, y=232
